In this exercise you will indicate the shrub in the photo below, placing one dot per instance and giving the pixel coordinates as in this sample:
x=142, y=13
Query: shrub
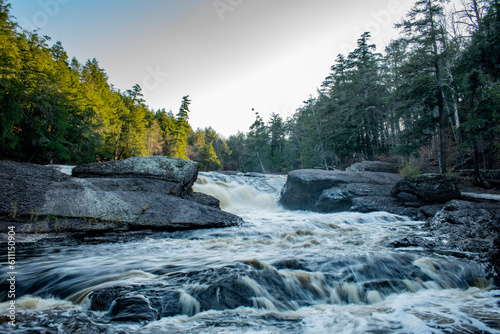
x=410, y=171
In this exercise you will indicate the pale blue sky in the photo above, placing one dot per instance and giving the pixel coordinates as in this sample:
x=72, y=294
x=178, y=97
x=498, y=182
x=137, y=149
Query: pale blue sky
x=229, y=55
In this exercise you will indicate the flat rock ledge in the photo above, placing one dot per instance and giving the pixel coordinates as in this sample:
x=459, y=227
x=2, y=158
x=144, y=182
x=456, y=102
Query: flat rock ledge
x=137, y=194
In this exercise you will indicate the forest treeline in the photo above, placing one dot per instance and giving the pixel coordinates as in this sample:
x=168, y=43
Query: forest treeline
x=434, y=92
x=57, y=110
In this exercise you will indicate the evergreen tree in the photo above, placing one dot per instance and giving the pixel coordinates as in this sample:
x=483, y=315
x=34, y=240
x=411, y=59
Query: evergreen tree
x=258, y=138
x=478, y=69
x=426, y=34
x=237, y=144
x=181, y=130
x=277, y=142
x=209, y=158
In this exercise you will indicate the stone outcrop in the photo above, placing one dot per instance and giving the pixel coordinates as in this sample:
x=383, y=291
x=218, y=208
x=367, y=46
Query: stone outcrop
x=471, y=229
x=180, y=172
x=336, y=191
x=466, y=226
x=374, y=166
x=433, y=188
x=138, y=197
x=366, y=191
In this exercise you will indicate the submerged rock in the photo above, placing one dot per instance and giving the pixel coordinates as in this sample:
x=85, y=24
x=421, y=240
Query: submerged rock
x=433, y=188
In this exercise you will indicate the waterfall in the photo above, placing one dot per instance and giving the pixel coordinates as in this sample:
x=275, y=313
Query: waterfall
x=239, y=193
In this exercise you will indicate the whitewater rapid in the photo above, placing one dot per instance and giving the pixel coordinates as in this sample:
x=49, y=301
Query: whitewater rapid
x=306, y=272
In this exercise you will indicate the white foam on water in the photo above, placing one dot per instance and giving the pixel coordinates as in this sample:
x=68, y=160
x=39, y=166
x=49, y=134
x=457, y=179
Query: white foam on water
x=29, y=303
x=189, y=305
x=425, y=312
x=346, y=280
x=239, y=193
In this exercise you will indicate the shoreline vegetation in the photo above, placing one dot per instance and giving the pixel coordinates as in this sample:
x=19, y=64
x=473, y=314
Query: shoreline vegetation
x=432, y=98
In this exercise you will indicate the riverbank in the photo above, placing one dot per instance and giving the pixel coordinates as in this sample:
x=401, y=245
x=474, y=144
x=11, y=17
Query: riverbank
x=137, y=194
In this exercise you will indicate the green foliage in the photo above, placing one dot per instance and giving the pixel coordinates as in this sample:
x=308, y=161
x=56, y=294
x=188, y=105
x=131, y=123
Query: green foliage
x=410, y=171
x=209, y=158
x=56, y=110
x=425, y=88
x=181, y=130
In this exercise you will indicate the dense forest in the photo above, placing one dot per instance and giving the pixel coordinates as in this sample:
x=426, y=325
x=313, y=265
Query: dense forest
x=433, y=93
x=57, y=110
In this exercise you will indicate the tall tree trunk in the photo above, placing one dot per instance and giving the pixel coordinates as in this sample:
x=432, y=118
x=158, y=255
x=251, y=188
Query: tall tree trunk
x=441, y=96
x=322, y=148
x=478, y=179
x=116, y=145
x=260, y=163
x=456, y=117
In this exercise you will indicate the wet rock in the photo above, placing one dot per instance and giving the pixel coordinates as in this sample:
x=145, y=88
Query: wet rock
x=203, y=199
x=143, y=302
x=249, y=285
x=334, y=199
x=374, y=166
x=253, y=174
x=376, y=203
x=433, y=188
x=134, y=308
x=463, y=229
x=466, y=226
x=495, y=259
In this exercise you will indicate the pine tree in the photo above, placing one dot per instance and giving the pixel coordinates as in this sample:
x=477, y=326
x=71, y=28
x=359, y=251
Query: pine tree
x=425, y=33
x=182, y=128
x=209, y=158
x=258, y=139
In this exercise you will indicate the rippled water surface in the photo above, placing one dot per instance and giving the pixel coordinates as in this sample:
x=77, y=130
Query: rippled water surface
x=290, y=272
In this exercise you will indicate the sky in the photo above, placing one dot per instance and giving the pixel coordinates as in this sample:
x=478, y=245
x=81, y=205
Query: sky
x=229, y=56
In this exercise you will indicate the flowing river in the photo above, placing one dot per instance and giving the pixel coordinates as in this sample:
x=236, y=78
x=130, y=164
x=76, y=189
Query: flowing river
x=283, y=271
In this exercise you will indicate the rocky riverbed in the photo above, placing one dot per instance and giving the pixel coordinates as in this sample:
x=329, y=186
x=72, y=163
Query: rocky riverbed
x=468, y=224
x=122, y=200
x=280, y=271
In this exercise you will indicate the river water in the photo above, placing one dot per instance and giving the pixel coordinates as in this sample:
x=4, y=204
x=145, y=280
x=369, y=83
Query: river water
x=303, y=272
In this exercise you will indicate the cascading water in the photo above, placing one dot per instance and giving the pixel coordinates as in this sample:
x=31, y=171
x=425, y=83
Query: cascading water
x=280, y=272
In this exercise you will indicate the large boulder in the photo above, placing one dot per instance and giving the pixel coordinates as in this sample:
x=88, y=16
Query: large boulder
x=46, y=200
x=174, y=170
x=374, y=166
x=432, y=188
x=466, y=226
x=23, y=186
x=335, y=191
